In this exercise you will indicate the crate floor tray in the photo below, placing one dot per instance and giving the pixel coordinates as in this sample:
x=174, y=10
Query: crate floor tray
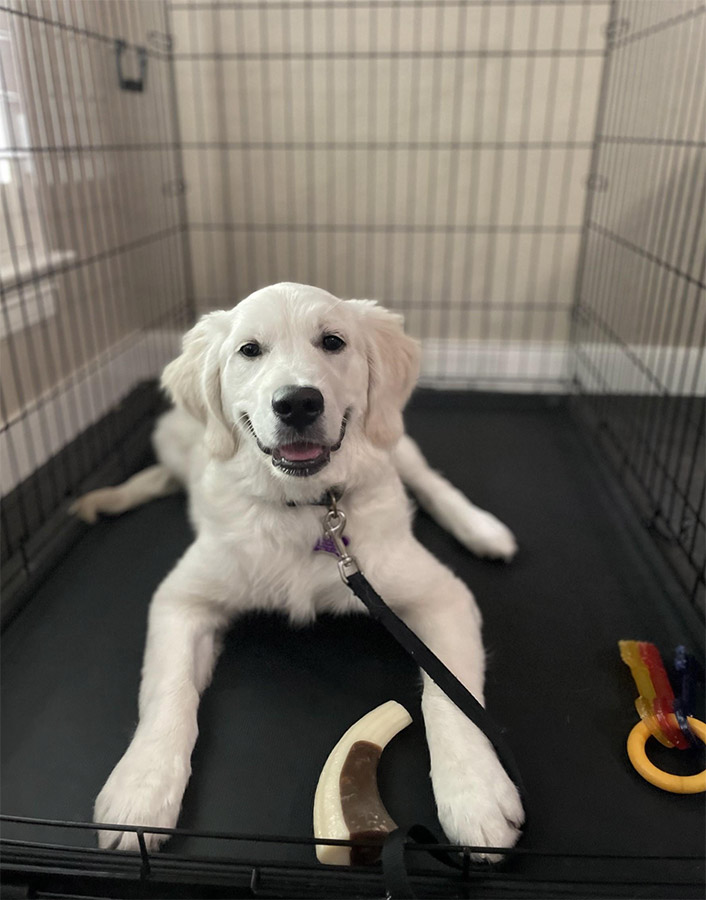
x=281, y=697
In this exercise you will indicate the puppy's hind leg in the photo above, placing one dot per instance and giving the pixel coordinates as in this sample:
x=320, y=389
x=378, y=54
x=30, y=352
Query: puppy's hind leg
x=155, y=481
x=475, y=528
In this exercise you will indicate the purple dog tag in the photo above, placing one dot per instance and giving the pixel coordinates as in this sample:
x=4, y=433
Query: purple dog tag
x=328, y=546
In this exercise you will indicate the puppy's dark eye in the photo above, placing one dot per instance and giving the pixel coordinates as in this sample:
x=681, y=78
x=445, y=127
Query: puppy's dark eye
x=332, y=343
x=251, y=350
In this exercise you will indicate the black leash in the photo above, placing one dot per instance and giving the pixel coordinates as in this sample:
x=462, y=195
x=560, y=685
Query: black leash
x=394, y=868
x=437, y=671
x=334, y=523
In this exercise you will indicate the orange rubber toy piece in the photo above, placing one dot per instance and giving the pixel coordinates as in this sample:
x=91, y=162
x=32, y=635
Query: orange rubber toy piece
x=676, y=784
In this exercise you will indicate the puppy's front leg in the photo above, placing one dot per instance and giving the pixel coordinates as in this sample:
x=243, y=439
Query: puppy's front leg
x=147, y=785
x=477, y=802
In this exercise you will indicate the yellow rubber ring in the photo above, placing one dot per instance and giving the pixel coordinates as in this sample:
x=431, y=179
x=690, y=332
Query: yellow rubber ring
x=677, y=784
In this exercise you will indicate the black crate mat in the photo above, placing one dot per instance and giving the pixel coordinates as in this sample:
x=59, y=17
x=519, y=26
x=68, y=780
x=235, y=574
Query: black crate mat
x=281, y=697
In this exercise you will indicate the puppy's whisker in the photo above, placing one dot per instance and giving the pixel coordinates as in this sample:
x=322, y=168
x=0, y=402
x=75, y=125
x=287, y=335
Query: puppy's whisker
x=245, y=420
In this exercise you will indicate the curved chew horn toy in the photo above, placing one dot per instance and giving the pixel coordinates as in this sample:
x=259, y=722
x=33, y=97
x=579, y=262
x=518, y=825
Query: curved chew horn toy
x=347, y=805
x=662, y=715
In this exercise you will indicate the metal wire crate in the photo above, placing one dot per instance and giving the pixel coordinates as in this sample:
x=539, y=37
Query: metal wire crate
x=153, y=875
x=489, y=170
x=523, y=179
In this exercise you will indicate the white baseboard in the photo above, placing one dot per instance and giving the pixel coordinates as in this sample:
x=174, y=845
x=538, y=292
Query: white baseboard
x=642, y=369
x=24, y=307
x=510, y=366
x=59, y=417
x=542, y=367
x=37, y=303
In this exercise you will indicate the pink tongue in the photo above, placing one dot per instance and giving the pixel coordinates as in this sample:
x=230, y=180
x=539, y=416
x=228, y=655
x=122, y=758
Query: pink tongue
x=301, y=451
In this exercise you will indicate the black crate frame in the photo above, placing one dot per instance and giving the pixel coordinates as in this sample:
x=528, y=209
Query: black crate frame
x=670, y=503
x=669, y=500
x=52, y=868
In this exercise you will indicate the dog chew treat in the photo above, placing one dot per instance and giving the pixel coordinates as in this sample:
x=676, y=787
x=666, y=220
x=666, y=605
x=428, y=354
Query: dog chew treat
x=347, y=805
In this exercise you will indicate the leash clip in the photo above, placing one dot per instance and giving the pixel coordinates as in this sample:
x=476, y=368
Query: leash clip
x=334, y=525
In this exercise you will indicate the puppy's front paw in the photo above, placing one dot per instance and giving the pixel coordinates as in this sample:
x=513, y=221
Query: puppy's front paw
x=143, y=789
x=479, y=806
x=485, y=535
x=88, y=506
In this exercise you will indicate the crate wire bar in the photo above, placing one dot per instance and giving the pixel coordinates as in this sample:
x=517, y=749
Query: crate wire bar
x=156, y=871
x=651, y=243
x=95, y=277
x=524, y=179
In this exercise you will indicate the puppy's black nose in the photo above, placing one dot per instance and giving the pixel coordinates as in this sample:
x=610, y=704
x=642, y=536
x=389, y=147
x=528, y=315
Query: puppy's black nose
x=297, y=406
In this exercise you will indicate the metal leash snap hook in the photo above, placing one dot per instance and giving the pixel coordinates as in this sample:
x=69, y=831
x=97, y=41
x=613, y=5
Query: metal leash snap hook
x=334, y=525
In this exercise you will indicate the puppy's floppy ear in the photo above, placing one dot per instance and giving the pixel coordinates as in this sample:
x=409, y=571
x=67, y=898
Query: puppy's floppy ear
x=393, y=361
x=193, y=380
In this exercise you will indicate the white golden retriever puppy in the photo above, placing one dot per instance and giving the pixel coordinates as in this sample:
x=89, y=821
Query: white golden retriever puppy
x=291, y=393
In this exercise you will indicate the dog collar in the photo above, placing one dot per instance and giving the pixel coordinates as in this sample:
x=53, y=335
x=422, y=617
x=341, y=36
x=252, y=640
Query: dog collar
x=327, y=545
x=336, y=490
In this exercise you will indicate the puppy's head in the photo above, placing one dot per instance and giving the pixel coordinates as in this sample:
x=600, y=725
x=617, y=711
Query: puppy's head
x=300, y=375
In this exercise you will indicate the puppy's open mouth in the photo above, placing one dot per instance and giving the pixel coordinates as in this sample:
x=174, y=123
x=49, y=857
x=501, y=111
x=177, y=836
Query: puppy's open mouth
x=300, y=458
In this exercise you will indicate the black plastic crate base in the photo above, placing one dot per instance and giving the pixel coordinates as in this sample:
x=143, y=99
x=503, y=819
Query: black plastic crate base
x=586, y=576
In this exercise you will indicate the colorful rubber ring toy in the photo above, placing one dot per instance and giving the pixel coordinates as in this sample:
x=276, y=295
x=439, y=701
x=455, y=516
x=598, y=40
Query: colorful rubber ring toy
x=657, y=707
